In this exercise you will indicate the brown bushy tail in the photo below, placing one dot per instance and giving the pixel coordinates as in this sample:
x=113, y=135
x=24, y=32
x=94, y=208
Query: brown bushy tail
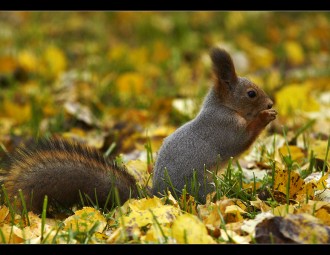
x=61, y=169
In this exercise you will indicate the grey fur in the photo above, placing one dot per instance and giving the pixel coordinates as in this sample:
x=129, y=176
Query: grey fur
x=226, y=126
x=201, y=141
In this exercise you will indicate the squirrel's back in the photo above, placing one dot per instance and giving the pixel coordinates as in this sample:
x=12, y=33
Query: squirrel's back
x=60, y=169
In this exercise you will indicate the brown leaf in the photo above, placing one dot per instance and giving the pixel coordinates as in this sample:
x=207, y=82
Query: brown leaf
x=304, y=229
x=268, y=232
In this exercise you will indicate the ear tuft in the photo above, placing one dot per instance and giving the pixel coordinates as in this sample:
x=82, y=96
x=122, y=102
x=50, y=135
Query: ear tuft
x=223, y=66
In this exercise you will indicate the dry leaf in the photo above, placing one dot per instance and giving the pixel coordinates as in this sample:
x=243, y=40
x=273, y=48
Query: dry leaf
x=144, y=210
x=298, y=188
x=85, y=219
x=304, y=229
x=188, y=229
x=295, y=97
x=139, y=169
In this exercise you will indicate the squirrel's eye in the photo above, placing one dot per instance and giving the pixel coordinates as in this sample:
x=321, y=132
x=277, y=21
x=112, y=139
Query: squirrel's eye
x=251, y=93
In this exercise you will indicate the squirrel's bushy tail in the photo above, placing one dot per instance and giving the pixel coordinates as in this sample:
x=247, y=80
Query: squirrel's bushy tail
x=61, y=169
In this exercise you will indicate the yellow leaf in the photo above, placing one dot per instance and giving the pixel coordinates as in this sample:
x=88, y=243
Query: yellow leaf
x=319, y=148
x=25, y=234
x=234, y=209
x=252, y=185
x=139, y=169
x=259, y=204
x=322, y=183
x=158, y=234
x=181, y=76
x=144, y=210
x=212, y=213
x=294, y=52
x=130, y=84
x=257, y=79
x=324, y=215
x=296, y=153
x=117, y=52
x=232, y=236
x=138, y=57
x=55, y=62
x=188, y=229
x=125, y=235
x=32, y=88
x=298, y=188
x=8, y=233
x=85, y=219
x=28, y=61
x=273, y=80
x=157, y=135
x=233, y=213
x=319, y=209
x=259, y=57
x=295, y=97
x=6, y=125
x=32, y=233
x=234, y=20
x=20, y=113
x=283, y=210
x=4, y=211
x=262, y=57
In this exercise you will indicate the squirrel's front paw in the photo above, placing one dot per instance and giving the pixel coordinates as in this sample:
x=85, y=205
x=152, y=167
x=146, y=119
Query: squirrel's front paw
x=267, y=116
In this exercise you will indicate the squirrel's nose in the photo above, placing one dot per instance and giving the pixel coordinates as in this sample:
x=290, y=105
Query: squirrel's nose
x=270, y=103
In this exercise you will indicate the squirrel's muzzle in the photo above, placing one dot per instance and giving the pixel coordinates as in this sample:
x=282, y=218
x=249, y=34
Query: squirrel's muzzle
x=270, y=103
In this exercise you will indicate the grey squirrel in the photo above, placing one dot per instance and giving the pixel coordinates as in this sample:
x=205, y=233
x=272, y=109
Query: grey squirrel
x=233, y=114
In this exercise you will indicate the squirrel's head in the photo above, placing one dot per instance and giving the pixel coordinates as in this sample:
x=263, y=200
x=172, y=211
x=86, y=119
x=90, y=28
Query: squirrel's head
x=239, y=94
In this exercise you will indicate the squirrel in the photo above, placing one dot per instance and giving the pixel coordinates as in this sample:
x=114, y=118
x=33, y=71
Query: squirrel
x=232, y=116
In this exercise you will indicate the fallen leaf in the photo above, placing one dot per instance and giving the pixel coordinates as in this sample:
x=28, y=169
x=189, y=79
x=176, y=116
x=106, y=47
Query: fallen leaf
x=267, y=231
x=158, y=234
x=249, y=226
x=28, y=61
x=139, y=169
x=125, y=234
x=4, y=211
x=294, y=52
x=131, y=85
x=295, y=152
x=84, y=220
x=81, y=112
x=298, y=189
x=8, y=235
x=283, y=210
x=295, y=97
x=188, y=229
x=144, y=210
x=304, y=229
x=54, y=62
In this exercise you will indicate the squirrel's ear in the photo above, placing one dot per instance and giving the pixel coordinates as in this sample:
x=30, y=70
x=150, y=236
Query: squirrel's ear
x=223, y=67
